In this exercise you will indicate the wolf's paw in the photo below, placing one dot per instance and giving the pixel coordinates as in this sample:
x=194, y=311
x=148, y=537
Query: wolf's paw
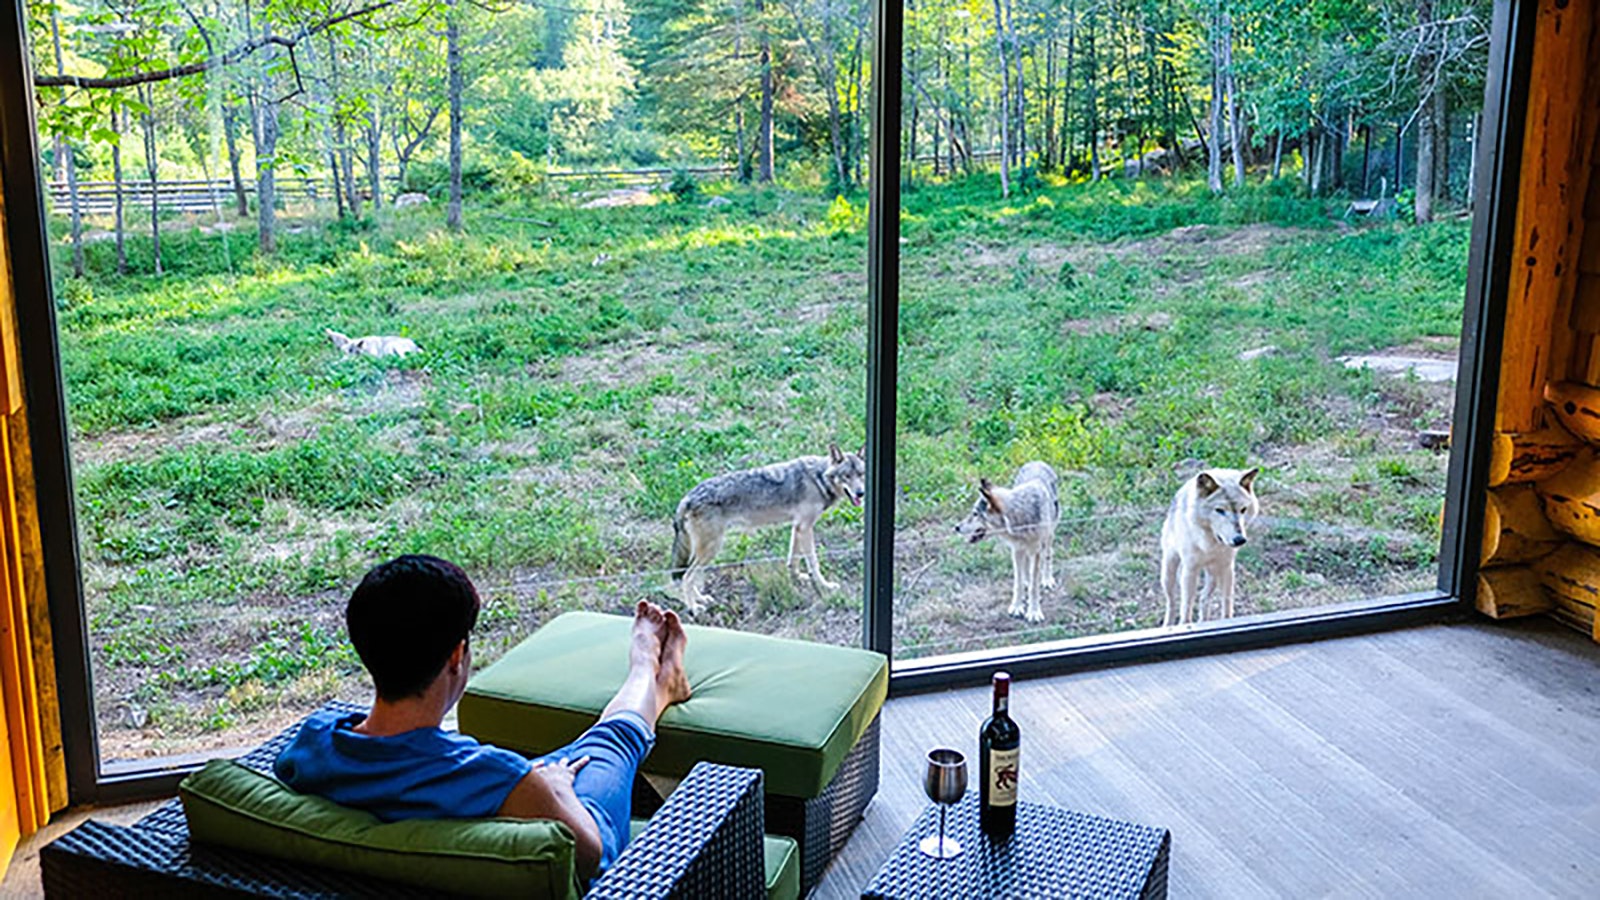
x=1049, y=580
x=827, y=585
x=1034, y=615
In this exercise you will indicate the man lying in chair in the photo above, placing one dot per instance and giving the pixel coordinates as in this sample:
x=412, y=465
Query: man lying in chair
x=410, y=620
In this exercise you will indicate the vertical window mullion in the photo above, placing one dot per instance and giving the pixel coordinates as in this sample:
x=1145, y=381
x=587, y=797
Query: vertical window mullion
x=883, y=317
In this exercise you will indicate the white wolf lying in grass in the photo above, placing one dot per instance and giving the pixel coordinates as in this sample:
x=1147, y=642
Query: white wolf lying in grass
x=1201, y=536
x=1025, y=516
x=372, y=345
x=798, y=491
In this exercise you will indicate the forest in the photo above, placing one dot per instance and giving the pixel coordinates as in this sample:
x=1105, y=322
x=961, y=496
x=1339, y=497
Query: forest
x=372, y=99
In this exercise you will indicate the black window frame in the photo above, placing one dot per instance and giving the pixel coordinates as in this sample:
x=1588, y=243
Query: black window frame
x=1489, y=261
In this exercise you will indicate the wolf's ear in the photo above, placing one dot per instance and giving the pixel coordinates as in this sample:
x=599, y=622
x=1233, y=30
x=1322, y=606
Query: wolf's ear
x=835, y=455
x=986, y=488
x=1206, y=484
x=863, y=451
x=1248, y=478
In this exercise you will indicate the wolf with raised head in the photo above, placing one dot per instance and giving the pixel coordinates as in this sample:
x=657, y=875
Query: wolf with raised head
x=1025, y=516
x=797, y=492
x=1204, y=529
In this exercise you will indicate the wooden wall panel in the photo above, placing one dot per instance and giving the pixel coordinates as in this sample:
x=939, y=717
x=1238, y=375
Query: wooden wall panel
x=1554, y=178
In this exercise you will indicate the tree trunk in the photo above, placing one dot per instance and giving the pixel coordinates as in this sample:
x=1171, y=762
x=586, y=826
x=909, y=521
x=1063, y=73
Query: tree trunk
x=1092, y=60
x=764, y=151
x=374, y=160
x=1472, y=158
x=453, y=61
x=1441, y=148
x=1277, y=156
x=64, y=160
x=230, y=135
x=1317, y=161
x=1068, y=158
x=1425, y=163
x=266, y=125
x=1338, y=139
x=341, y=134
x=1399, y=157
x=1235, y=119
x=1425, y=122
x=857, y=124
x=1132, y=139
x=1019, y=98
x=151, y=160
x=1047, y=153
x=1218, y=88
x=1005, y=101
x=117, y=199
x=1366, y=161
x=908, y=144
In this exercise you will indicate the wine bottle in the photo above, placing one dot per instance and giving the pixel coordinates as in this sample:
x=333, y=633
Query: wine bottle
x=999, y=742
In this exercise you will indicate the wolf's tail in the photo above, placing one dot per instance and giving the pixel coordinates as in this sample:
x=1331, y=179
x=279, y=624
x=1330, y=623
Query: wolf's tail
x=680, y=548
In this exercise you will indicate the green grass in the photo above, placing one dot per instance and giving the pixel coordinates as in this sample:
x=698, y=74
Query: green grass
x=235, y=474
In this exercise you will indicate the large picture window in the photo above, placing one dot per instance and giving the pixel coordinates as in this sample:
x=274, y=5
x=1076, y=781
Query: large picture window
x=959, y=358
x=1175, y=277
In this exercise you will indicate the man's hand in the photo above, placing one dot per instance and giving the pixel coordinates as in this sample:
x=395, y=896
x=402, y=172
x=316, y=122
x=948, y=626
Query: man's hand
x=559, y=774
x=546, y=793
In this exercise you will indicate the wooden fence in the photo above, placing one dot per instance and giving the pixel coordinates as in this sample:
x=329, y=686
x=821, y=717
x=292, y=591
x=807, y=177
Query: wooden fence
x=98, y=198
x=642, y=176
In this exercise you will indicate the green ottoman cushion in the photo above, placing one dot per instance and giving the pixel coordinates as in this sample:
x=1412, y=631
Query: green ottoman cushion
x=790, y=708
x=226, y=803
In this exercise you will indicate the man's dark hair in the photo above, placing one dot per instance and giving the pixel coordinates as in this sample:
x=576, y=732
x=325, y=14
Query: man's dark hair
x=406, y=617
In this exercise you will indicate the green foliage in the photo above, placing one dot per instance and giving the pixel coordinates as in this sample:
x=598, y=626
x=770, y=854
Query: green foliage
x=683, y=185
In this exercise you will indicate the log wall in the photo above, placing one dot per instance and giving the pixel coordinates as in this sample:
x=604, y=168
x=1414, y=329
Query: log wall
x=1541, y=540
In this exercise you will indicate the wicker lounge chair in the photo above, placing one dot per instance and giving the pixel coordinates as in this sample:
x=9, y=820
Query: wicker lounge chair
x=704, y=841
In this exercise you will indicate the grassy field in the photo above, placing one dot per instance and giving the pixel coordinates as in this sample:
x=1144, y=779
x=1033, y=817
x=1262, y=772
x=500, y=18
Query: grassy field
x=583, y=367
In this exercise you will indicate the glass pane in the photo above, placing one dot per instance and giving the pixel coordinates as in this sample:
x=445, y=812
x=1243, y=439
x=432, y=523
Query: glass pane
x=1146, y=241
x=659, y=277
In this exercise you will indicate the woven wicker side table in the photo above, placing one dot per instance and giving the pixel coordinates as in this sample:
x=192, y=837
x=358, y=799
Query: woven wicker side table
x=1055, y=854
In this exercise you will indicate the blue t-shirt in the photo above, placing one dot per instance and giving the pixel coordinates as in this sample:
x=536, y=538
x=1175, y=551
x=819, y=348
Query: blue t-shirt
x=426, y=773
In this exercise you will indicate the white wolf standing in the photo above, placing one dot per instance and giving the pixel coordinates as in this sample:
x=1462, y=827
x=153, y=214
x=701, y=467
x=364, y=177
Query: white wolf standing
x=798, y=491
x=1204, y=529
x=373, y=345
x=1025, y=516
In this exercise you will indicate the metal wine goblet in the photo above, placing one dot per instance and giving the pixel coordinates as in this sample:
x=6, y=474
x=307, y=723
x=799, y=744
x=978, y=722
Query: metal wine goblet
x=945, y=782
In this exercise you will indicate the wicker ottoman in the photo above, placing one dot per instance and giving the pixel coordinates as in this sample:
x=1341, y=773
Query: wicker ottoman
x=806, y=714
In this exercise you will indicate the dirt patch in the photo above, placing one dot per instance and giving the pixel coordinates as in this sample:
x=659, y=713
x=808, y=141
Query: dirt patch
x=622, y=197
x=615, y=365
x=1150, y=321
x=1220, y=240
x=267, y=430
x=1212, y=240
x=1044, y=256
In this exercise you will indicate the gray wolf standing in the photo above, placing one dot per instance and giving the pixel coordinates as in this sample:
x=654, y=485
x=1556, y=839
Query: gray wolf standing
x=1025, y=516
x=1201, y=536
x=798, y=491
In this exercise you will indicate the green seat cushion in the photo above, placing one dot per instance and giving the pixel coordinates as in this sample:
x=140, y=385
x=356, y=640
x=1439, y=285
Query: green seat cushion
x=234, y=806
x=790, y=708
x=782, y=858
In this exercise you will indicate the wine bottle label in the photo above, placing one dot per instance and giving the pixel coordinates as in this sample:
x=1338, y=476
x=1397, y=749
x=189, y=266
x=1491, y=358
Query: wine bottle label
x=1003, y=777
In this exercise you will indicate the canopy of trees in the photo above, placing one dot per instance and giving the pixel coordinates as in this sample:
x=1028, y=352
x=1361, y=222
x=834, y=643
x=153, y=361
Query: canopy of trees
x=448, y=96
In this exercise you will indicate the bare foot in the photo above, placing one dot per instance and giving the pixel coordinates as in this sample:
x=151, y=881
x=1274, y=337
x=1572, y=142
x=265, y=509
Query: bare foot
x=672, y=681
x=649, y=632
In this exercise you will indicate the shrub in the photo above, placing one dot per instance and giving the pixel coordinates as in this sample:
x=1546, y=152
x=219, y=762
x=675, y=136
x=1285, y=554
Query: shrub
x=683, y=185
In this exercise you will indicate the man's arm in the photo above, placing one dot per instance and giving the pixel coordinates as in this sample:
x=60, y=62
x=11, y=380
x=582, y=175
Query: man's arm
x=546, y=793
